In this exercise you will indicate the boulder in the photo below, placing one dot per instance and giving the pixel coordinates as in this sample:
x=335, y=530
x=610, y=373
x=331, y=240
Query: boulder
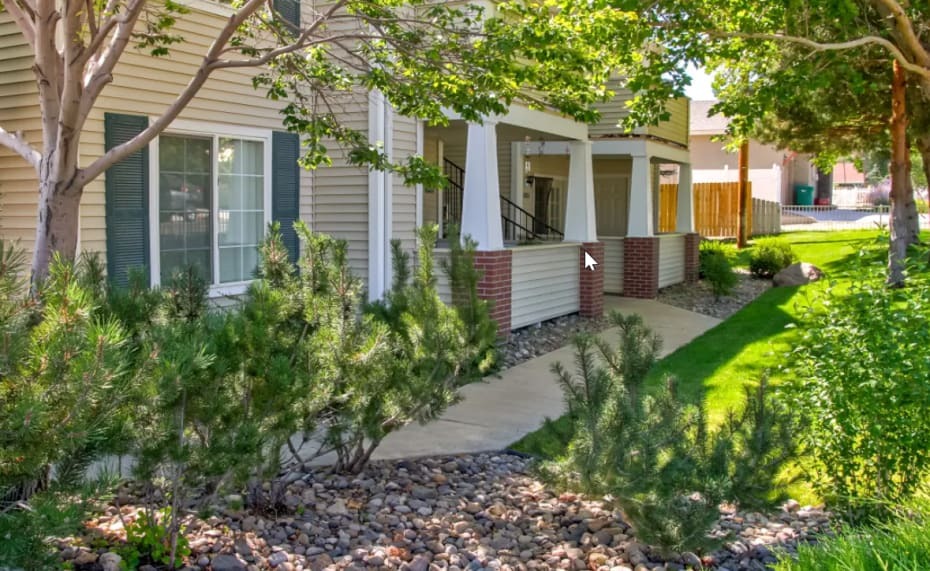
x=797, y=274
x=227, y=563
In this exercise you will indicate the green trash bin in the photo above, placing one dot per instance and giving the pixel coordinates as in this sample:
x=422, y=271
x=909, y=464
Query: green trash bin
x=804, y=195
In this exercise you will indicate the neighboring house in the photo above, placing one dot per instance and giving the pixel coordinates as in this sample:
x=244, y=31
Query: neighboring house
x=534, y=189
x=773, y=173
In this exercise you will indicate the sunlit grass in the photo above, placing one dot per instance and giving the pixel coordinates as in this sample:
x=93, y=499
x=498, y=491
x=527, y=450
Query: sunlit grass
x=715, y=367
x=901, y=544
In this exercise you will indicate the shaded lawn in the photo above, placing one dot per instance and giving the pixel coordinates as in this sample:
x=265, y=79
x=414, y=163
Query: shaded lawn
x=715, y=367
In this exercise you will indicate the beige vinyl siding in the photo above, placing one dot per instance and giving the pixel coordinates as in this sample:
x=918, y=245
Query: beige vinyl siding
x=612, y=112
x=544, y=283
x=615, y=111
x=338, y=197
x=676, y=128
x=335, y=198
x=19, y=111
x=404, y=198
x=613, y=264
x=142, y=85
x=671, y=259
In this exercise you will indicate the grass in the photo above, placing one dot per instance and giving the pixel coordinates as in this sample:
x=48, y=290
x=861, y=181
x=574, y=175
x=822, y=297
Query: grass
x=715, y=367
x=901, y=544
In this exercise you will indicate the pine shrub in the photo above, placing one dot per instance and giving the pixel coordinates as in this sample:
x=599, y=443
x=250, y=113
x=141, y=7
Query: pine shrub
x=716, y=269
x=65, y=394
x=658, y=458
x=770, y=256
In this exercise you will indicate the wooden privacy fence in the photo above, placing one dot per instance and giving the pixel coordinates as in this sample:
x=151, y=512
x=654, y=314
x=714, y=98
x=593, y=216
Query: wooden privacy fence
x=668, y=207
x=716, y=210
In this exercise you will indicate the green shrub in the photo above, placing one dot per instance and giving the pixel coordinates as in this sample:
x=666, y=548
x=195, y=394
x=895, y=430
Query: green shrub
x=664, y=467
x=902, y=543
x=148, y=541
x=862, y=369
x=715, y=267
x=207, y=400
x=770, y=256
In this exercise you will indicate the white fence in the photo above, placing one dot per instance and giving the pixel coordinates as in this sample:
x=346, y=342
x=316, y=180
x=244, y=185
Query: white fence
x=797, y=218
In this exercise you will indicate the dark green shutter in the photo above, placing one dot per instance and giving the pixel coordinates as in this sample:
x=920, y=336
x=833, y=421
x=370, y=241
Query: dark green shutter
x=127, y=200
x=289, y=11
x=285, y=187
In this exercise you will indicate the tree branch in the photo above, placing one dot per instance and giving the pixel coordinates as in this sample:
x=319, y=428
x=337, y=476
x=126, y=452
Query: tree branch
x=122, y=151
x=301, y=42
x=833, y=46
x=15, y=142
x=904, y=29
x=23, y=21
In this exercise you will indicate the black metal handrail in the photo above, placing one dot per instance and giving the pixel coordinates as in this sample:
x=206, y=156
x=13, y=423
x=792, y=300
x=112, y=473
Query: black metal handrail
x=518, y=223
x=452, y=194
x=518, y=218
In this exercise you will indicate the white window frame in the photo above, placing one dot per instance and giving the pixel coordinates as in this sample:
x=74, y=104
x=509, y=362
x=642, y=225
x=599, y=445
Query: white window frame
x=214, y=131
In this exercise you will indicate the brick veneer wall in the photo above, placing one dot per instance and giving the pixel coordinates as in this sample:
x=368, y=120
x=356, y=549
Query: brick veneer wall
x=591, y=283
x=495, y=285
x=692, y=257
x=641, y=267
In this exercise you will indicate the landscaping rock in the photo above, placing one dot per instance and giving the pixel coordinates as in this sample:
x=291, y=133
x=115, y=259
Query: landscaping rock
x=530, y=342
x=491, y=513
x=700, y=298
x=227, y=563
x=797, y=274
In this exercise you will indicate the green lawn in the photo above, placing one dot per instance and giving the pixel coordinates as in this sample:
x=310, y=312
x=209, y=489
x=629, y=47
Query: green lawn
x=717, y=365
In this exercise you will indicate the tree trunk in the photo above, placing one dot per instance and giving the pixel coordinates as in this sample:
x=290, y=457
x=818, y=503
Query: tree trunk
x=898, y=221
x=56, y=227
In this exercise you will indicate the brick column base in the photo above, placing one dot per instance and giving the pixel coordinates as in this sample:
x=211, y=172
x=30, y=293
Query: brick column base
x=591, y=282
x=641, y=267
x=692, y=257
x=495, y=267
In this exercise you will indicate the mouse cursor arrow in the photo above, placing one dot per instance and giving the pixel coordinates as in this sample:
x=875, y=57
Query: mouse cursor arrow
x=589, y=262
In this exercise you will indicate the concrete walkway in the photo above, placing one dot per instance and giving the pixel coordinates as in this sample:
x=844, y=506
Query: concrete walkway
x=499, y=412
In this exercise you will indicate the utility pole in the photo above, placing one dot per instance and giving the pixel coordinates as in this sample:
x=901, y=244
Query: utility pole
x=744, y=222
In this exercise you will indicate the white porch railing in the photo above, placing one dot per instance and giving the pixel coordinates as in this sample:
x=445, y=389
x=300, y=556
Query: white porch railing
x=671, y=259
x=544, y=283
x=613, y=264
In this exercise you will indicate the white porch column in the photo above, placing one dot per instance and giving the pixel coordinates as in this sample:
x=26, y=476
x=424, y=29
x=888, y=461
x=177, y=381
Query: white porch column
x=481, y=202
x=684, y=222
x=640, y=216
x=580, y=220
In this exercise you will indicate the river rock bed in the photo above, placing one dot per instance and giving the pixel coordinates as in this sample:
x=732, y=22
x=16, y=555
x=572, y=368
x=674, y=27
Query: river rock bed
x=700, y=298
x=457, y=513
x=529, y=342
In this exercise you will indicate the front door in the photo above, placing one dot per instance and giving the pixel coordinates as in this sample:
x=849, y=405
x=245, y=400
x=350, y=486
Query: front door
x=543, y=190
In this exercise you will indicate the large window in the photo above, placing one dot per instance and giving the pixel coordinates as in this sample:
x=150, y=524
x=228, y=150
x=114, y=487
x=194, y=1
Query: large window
x=212, y=205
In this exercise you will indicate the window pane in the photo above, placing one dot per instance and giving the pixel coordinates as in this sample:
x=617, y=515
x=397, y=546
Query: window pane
x=253, y=160
x=230, y=265
x=241, y=216
x=185, y=195
x=253, y=193
x=230, y=193
x=198, y=155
